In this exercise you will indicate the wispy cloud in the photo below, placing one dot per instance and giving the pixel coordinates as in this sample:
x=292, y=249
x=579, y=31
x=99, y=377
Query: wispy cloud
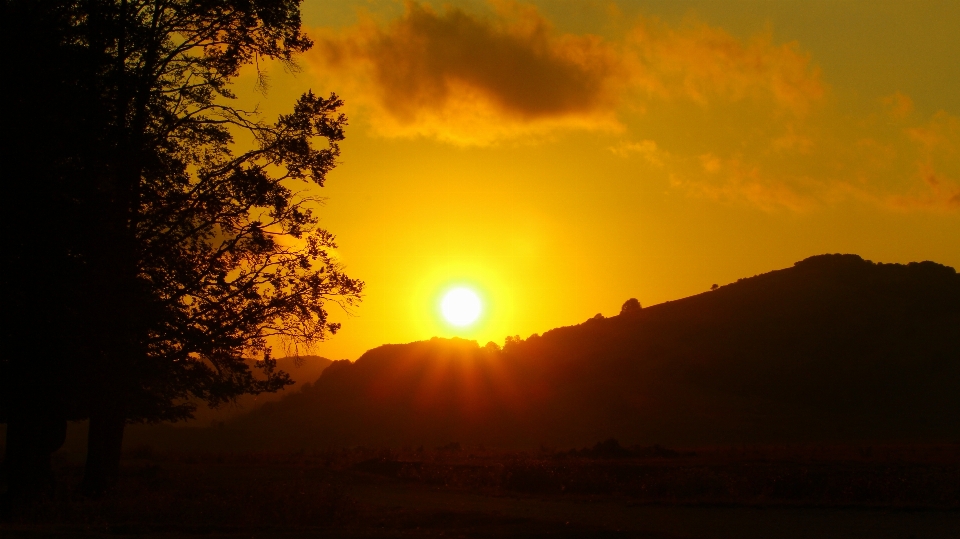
x=898, y=105
x=741, y=180
x=509, y=75
x=647, y=149
x=937, y=176
x=705, y=63
x=904, y=168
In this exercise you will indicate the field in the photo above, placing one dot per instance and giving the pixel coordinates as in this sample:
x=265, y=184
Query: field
x=606, y=491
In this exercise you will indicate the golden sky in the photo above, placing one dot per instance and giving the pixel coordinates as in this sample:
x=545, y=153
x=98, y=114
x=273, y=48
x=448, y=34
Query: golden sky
x=561, y=157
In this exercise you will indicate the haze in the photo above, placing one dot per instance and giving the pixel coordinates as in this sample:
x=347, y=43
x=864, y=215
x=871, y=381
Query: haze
x=562, y=157
x=503, y=268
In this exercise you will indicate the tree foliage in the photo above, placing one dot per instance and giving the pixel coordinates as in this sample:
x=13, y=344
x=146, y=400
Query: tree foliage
x=630, y=306
x=178, y=255
x=212, y=228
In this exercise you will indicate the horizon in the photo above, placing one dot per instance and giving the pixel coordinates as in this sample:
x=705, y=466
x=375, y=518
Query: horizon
x=580, y=322
x=682, y=373
x=638, y=171
x=630, y=268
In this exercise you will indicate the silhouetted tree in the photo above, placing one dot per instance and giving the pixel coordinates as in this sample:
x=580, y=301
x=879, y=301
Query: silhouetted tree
x=54, y=115
x=510, y=342
x=193, y=257
x=630, y=305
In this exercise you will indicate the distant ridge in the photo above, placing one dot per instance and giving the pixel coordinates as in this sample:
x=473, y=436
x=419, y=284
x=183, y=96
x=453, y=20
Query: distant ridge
x=833, y=349
x=303, y=370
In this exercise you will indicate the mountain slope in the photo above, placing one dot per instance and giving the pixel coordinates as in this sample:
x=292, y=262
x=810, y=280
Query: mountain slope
x=303, y=370
x=833, y=349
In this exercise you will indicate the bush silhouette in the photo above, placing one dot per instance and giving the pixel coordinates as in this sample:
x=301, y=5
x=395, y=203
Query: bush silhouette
x=630, y=306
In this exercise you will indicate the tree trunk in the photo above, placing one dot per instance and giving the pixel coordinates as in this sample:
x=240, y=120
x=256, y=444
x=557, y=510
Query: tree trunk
x=104, y=446
x=32, y=438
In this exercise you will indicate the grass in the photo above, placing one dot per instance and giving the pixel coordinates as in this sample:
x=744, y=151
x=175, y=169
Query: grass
x=886, y=476
x=309, y=493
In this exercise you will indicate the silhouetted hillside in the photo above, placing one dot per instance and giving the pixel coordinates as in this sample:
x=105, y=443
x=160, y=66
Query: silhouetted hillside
x=834, y=349
x=303, y=370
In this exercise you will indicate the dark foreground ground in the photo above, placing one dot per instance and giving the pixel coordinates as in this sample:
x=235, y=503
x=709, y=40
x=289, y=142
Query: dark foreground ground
x=769, y=492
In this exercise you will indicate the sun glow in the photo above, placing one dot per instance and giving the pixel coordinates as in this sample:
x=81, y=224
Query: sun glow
x=461, y=306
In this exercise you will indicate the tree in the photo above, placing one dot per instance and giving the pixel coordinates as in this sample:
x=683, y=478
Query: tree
x=630, y=305
x=194, y=257
x=56, y=118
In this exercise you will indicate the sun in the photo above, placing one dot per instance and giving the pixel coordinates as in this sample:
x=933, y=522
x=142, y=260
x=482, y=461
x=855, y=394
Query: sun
x=461, y=306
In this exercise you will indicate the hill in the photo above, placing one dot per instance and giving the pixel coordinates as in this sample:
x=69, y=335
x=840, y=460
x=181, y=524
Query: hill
x=833, y=349
x=303, y=370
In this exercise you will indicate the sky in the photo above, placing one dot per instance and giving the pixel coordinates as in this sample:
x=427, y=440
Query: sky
x=561, y=157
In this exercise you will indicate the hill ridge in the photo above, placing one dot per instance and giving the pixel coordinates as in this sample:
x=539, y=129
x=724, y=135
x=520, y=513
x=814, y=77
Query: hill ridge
x=834, y=348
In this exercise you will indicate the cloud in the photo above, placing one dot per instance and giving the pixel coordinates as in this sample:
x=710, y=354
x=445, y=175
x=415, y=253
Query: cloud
x=909, y=168
x=898, y=105
x=937, y=166
x=472, y=79
x=703, y=63
x=792, y=142
x=740, y=120
x=738, y=180
x=647, y=149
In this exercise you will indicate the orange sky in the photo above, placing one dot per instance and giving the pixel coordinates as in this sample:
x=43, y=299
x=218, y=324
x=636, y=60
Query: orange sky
x=561, y=157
